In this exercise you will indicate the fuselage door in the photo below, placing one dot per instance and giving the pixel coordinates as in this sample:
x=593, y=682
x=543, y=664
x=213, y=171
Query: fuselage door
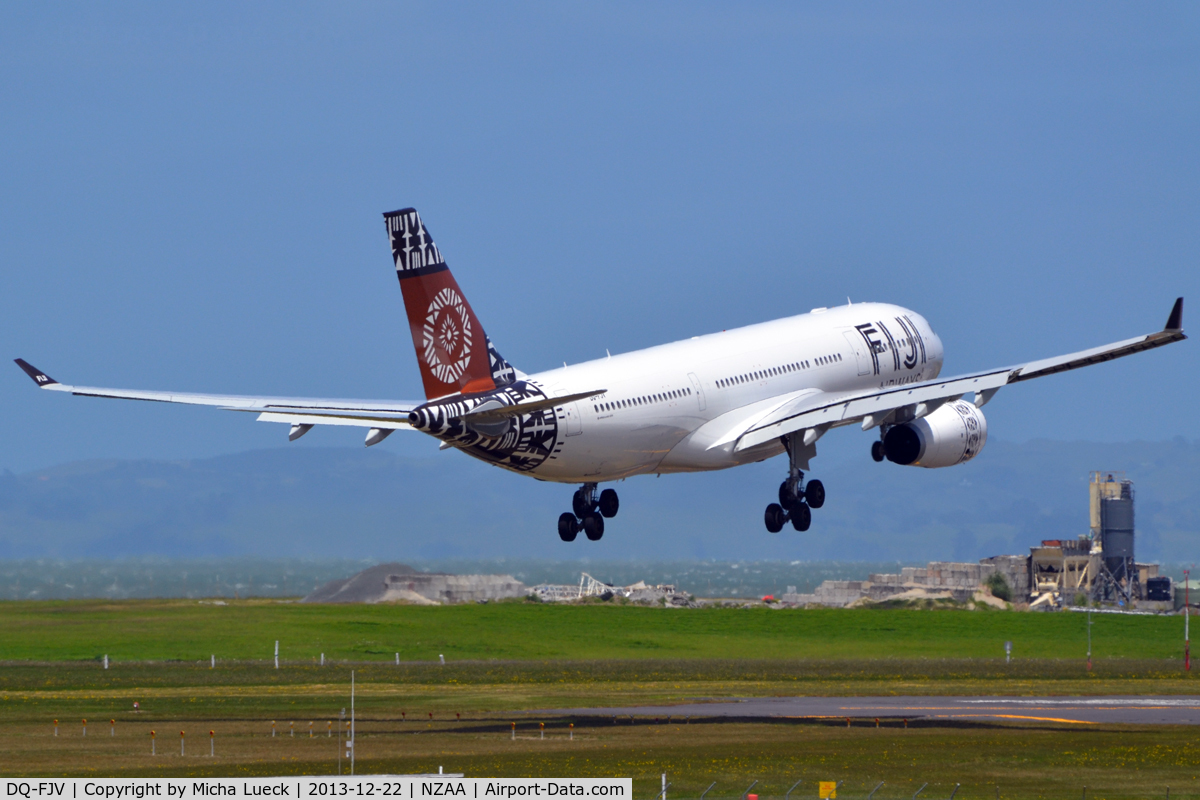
x=569, y=416
x=699, y=389
x=858, y=345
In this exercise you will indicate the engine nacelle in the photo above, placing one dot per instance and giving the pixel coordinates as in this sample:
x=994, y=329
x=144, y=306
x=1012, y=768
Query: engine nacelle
x=953, y=434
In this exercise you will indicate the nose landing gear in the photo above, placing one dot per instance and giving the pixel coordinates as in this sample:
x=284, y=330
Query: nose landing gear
x=796, y=498
x=588, y=513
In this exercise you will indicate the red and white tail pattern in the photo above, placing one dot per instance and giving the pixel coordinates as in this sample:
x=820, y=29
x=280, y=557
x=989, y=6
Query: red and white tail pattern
x=454, y=353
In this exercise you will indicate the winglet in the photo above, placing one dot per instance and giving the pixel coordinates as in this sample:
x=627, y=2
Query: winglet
x=1175, y=321
x=39, y=377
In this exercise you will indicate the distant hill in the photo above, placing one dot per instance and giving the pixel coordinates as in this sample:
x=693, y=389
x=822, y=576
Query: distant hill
x=359, y=503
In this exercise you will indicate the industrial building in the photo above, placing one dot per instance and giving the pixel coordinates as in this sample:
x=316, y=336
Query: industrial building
x=1098, y=567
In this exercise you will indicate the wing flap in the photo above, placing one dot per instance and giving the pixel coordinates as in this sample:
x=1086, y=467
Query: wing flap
x=298, y=418
x=754, y=414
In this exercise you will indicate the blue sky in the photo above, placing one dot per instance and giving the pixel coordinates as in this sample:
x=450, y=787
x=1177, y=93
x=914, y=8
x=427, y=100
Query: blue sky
x=191, y=195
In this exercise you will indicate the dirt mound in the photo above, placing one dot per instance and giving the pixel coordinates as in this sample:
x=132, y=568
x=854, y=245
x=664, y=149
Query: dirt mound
x=367, y=586
x=392, y=583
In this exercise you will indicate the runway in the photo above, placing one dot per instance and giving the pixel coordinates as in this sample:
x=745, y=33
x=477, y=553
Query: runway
x=1133, y=710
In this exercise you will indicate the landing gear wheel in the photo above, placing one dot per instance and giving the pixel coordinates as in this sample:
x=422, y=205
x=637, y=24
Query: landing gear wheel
x=877, y=451
x=609, y=503
x=568, y=527
x=774, y=518
x=814, y=493
x=593, y=527
x=580, y=504
x=787, y=498
x=801, y=517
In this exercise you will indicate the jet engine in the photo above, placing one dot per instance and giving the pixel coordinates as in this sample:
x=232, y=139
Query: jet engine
x=952, y=434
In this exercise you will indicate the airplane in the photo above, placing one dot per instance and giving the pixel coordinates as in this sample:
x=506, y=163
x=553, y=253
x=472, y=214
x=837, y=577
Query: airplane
x=706, y=403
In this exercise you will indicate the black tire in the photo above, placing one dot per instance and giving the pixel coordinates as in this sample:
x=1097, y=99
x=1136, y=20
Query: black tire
x=578, y=505
x=568, y=527
x=609, y=503
x=593, y=527
x=801, y=517
x=877, y=451
x=786, y=498
x=774, y=518
x=814, y=493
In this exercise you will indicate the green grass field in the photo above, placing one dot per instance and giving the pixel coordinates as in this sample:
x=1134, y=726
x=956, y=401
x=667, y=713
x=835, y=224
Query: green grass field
x=1020, y=761
x=506, y=660
x=187, y=630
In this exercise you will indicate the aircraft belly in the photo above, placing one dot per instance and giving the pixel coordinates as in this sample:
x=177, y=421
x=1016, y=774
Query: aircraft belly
x=693, y=456
x=608, y=452
x=696, y=453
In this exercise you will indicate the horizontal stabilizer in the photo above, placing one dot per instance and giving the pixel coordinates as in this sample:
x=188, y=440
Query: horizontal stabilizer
x=501, y=413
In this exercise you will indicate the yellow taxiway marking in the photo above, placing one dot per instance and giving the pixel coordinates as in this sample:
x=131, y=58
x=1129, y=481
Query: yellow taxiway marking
x=952, y=716
x=1017, y=716
x=998, y=707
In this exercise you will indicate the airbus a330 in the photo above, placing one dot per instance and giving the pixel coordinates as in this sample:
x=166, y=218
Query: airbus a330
x=705, y=403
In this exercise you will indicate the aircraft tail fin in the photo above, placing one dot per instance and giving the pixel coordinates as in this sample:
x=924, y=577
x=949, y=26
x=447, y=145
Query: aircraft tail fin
x=454, y=353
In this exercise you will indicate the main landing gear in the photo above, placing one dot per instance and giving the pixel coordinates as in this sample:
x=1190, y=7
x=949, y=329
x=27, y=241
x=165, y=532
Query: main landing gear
x=796, y=498
x=587, y=513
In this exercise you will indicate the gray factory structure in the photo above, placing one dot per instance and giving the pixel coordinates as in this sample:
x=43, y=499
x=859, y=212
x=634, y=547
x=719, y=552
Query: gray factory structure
x=1100, y=565
x=1097, y=567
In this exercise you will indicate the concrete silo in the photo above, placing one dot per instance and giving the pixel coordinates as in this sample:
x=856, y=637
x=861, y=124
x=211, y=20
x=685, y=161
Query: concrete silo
x=1111, y=507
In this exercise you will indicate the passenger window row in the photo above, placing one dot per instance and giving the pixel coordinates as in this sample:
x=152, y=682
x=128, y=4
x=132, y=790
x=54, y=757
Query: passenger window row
x=644, y=400
x=758, y=375
x=903, y=341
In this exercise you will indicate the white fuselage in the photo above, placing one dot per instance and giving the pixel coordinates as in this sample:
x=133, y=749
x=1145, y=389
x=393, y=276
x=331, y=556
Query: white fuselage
x=667, y=408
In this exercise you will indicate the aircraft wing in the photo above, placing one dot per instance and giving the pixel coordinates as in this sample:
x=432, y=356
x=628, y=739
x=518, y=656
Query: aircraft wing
x=300, y=412
x=815, y=414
